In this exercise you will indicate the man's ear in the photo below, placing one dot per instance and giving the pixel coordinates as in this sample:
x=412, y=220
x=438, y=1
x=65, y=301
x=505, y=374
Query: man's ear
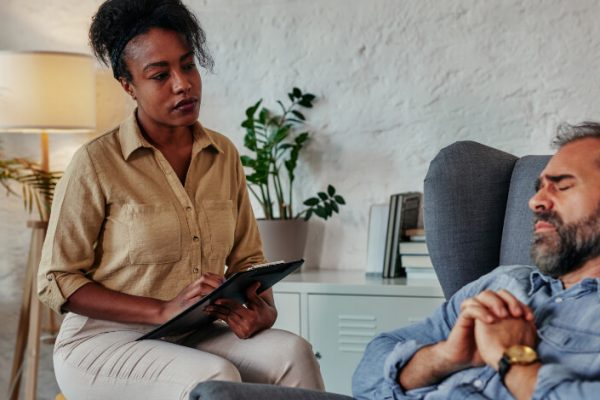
x=128, y=87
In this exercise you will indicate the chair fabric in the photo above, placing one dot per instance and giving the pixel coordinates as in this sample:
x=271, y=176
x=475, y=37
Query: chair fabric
x=476, y=214
x=220, y=390
x=518, y=222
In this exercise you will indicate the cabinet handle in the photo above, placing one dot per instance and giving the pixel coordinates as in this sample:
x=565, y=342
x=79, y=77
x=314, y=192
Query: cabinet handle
x=318, y=355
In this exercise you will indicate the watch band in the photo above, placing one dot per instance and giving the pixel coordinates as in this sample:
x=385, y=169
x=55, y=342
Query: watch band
x=503, y=367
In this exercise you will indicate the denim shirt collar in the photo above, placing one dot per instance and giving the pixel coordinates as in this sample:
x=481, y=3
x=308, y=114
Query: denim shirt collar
x=538, y=280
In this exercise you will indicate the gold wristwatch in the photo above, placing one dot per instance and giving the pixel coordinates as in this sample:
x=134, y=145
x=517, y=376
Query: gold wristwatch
x=516, y=355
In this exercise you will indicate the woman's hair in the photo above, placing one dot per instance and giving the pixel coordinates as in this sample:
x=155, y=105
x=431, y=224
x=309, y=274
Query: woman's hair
x=119, y=21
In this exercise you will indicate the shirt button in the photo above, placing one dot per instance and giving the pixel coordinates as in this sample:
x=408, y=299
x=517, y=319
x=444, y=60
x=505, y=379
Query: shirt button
x=49, y=277
x=188, y=209
x=195, y=270
x=558, y=300
x=478, y=384
x=196, y=238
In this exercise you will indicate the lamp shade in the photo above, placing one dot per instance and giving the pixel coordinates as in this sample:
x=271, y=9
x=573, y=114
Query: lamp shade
x=49, y=91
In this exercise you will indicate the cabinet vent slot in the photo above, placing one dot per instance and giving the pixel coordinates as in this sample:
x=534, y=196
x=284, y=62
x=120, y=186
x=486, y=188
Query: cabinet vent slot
x=355, y=332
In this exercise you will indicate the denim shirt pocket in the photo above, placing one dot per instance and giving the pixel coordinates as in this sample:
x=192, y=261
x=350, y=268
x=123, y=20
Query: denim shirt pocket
x=154, y=234
x=570, y=340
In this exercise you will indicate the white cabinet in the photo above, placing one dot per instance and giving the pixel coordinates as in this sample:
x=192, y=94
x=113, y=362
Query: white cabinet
x=339, y=312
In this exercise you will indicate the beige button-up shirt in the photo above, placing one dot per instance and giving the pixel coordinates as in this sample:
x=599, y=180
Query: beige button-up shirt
x=121, y=218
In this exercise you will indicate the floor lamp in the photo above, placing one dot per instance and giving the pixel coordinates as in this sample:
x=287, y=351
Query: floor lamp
x=41, y=92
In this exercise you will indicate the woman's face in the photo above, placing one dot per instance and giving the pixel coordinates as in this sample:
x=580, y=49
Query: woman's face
x=165, y=80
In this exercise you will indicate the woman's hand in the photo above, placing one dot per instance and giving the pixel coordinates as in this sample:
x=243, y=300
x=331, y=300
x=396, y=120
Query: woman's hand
x=190, y=295
x=257, y=314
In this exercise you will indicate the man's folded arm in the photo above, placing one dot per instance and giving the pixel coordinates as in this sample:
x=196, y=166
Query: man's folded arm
x=376, y=376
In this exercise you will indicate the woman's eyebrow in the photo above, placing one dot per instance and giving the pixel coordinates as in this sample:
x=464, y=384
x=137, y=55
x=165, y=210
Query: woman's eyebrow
x=165, y=63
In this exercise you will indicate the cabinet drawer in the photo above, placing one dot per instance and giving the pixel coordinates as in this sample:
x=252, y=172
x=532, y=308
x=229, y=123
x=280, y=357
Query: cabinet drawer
x=288, y=312
x=340, y=327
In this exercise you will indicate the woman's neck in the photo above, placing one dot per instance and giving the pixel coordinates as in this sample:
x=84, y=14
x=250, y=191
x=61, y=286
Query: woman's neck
x=162, y=136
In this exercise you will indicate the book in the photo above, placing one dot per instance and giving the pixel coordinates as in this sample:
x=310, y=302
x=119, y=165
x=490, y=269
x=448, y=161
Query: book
x=416, y=261
x=378, y=217
x=415, y=234
x=413, y=248
x=389, y=253
x=195, y=318
x=422, y=273
x=403, y=215
x=419, y=276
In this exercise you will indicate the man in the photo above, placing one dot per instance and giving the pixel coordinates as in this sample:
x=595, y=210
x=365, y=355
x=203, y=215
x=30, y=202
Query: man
x=519, y=331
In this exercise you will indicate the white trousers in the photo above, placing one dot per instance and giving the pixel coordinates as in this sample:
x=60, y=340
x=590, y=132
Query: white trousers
x=95, y=359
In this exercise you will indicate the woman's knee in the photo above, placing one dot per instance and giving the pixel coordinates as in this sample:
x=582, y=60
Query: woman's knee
x=223, y=370
x=297, y=364
x=297, y=348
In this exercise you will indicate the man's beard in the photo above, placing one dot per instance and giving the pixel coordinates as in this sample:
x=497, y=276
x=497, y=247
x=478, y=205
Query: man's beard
x=569, y=247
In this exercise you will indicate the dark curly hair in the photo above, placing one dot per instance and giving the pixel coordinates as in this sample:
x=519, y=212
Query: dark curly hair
x=119, y=21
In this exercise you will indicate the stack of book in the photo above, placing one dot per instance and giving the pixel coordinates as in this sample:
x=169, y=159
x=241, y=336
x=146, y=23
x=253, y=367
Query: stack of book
x=415, y=258
x=403, y=214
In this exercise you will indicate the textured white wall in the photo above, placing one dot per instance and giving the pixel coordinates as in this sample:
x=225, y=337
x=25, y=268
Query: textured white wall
x=397, y=80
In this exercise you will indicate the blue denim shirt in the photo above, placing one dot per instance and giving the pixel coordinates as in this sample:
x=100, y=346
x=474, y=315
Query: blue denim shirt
x=568, y=328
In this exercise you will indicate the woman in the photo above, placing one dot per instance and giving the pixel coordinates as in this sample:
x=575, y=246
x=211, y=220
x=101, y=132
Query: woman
x=143, y=223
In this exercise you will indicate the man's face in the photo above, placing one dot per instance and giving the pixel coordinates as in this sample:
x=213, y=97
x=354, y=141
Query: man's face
x=567, y=209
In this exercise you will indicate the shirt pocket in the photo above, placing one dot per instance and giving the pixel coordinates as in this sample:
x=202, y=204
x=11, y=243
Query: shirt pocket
x=570, y=340
x=154, y=234
x=221, y=225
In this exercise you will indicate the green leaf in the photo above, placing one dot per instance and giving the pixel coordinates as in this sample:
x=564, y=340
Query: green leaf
x=301, y=138
x=263, y=116
x=281, y=133
x=323, y=195
x=297, y=92
x=309, y=214
x=247, y=161
x=299, y=115
x=328, y=209
x=334, y=206
x=320, y=211
x=305, y=103
x=313, y=201
x=330, y=190
x=339, y=199
x=251, y=110
x=308, y=97
x=281, y=105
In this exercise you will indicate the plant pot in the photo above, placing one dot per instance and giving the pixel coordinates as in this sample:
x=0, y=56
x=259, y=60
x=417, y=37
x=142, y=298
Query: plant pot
x=283, y=239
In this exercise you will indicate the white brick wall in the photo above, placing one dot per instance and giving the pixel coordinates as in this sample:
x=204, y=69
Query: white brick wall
x=397, y=81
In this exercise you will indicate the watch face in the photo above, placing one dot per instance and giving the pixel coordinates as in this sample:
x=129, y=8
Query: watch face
x=521, y=354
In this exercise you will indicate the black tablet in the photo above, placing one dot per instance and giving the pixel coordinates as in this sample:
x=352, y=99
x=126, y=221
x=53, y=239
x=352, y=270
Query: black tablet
x=234, y=287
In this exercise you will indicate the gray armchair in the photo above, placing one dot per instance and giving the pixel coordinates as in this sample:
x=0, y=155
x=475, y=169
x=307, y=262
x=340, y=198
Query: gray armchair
x=220, y=390
x=476, y=218
x=476, y=212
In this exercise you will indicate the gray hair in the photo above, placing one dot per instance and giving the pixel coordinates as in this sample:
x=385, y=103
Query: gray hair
x=570, y=133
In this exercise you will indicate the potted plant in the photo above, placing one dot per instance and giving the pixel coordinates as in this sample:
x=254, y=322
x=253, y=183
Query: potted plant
x=37, y=185
x=276, y=139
